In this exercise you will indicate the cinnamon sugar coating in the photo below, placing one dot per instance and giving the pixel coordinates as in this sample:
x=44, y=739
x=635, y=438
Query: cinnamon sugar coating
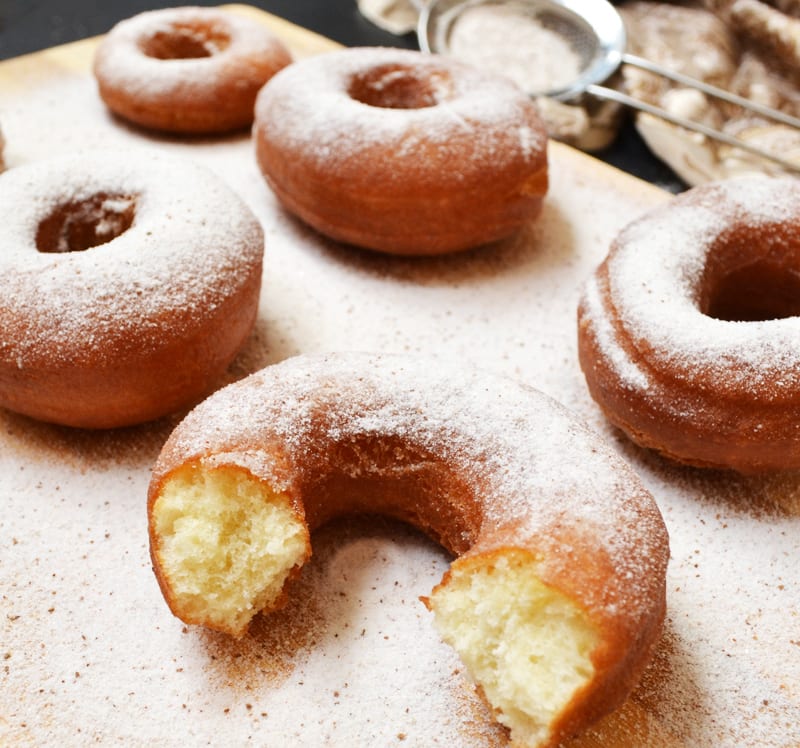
x=130, y=281
x=493, y=470
x=689, y=330
x=401, y=152
x=188, y=70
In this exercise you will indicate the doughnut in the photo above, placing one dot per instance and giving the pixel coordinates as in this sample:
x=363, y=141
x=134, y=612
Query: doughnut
x=130, y=280
x=187, y=70
x=556, y=596
x=401, y=152
x=689, y=330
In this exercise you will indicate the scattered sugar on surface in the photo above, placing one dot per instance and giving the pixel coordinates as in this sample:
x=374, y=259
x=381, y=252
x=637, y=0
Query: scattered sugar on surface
x=84, y=620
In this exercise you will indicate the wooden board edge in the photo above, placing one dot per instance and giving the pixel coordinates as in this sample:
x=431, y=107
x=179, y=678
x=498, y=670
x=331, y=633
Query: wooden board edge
x=562, y=155
x=302, y=42
x=76, y=57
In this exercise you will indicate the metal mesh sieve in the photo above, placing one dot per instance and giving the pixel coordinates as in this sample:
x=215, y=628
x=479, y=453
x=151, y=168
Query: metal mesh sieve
x=595, y=32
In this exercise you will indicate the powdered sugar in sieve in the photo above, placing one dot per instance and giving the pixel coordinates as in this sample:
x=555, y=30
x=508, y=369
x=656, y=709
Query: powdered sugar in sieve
x=565, y=49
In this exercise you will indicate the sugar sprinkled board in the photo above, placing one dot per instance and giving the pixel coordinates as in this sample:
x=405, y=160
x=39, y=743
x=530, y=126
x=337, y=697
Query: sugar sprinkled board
x=90, y=651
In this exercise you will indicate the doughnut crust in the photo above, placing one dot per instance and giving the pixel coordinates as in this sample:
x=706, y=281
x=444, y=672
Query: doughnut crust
x=401, y=152
x=130, y=280
x=689, y=330
x=187, y=70
x=557, y=594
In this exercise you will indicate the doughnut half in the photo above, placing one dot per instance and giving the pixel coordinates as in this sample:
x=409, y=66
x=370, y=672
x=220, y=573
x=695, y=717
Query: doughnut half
x=401, y=152
x=689, y=331
x=557, y=594
x=130, y=280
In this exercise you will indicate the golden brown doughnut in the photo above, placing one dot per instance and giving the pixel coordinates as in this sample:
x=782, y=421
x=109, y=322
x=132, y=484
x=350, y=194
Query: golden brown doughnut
x=557, y=595
x=187, y=70
x=401, y=152
x=130, y=280
x=689, y=331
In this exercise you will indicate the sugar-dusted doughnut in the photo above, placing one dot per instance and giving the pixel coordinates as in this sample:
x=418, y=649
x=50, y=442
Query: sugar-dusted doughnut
x=689, y=331
x=401, y=152
x=557, y=594
x=187, y=70
x=130, y=280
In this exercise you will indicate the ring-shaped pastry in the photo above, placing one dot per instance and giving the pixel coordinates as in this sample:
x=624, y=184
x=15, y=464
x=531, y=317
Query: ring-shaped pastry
x=557, y=595
x=401, y=152
x=187, y=70
x=130, y=280
x=689, y=331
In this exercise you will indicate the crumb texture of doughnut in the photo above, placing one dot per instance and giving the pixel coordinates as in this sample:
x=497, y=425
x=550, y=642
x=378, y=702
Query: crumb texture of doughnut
x=130, y=280
x=187, y=70
x=689, y=330
x=556, y=597
x=401, y=152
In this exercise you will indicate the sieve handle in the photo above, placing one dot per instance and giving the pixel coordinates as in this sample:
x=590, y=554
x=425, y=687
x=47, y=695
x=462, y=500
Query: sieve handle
x=719, y=93
x=603, y=92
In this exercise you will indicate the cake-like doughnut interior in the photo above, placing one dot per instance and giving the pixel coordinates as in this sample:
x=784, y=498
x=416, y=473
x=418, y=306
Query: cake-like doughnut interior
x=228, y=544
x=688, y=330
x=527, y=645
x=557, y=594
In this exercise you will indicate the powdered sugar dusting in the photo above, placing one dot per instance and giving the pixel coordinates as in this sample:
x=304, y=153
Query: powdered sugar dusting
x=309, y=104
x=90, y=651
x=529, y=465
x=182, y=256
x=629, y=372
x=655, y=275
x=510, y=41
x=141, y=75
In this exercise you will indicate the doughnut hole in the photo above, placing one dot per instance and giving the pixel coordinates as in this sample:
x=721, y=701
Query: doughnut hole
x=226, y=545
x=756, y=292
x=754, y=278
x=399, y=87
x=80, y=225
x=185, y=41
x=525, y=644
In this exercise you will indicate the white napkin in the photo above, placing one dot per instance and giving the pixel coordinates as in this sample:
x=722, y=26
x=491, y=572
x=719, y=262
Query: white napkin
x=394, y=16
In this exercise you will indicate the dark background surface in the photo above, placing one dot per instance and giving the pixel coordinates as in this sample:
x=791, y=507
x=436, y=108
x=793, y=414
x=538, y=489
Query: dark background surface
x=30, y=25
